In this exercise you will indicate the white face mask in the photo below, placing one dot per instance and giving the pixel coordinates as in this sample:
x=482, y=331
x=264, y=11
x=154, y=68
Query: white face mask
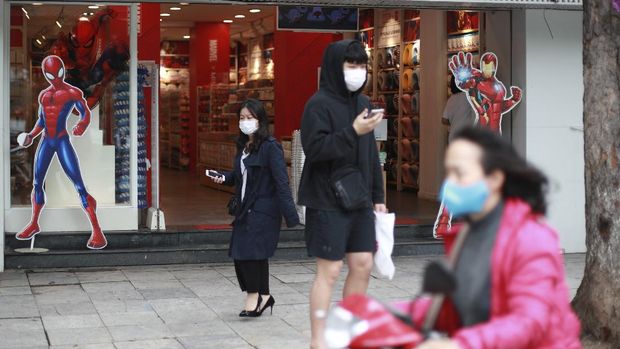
x=354, y=78
x=248, y=126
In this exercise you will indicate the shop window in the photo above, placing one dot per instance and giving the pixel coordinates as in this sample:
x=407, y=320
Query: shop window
x=93, y=45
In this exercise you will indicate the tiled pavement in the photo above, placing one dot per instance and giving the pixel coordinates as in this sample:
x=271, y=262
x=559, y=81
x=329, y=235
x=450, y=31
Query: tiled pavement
x=176, y=306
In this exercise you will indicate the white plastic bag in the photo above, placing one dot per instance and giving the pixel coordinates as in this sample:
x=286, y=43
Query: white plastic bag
x=384, y=230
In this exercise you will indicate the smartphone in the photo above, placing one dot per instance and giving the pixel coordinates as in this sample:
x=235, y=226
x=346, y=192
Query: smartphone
x=374, y=113
x=214, y=174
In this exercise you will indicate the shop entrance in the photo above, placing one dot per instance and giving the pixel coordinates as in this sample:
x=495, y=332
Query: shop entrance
x=213, y=57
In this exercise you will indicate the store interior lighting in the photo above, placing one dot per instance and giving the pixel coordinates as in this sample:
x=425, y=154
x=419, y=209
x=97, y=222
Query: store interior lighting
x=239, y=16
x=164, y=14
x=25, y=13
x=93, y=7
x=60, y=18
x=255, y=10
x=227, y=21
x=175, y=8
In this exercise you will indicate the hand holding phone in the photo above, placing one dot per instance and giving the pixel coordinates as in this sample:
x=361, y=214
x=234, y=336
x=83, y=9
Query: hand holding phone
x=374, y=113
x=366, y=121
x=215, y=176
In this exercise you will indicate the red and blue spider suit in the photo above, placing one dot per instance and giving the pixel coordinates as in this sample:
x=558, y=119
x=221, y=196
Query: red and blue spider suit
x=91, y=58
x=55, y=104
x=486, y=93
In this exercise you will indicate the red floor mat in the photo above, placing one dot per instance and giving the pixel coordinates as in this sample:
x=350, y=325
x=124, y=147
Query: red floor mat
x=213, y=226
x=406, y=221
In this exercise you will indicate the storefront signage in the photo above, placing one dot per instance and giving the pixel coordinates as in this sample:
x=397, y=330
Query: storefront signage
x=389, y=30
x=318, y=18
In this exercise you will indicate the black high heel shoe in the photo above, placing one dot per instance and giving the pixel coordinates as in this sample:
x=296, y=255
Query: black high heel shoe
x=269, y=304
x=247, y=313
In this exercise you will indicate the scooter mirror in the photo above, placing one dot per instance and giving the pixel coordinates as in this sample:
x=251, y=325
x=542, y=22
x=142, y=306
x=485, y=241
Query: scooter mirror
x=438, y=279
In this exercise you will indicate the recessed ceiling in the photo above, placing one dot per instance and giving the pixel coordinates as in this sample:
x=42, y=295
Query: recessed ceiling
x=180, y=22
x=175, y=27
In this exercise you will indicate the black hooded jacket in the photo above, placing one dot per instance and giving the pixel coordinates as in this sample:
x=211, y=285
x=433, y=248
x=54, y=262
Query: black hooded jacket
x=329, y=139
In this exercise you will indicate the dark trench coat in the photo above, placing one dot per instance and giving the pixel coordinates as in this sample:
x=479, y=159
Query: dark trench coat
x=256, y=228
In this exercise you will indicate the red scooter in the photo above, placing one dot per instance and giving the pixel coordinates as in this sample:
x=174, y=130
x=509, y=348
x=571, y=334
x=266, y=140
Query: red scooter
x=361, y=322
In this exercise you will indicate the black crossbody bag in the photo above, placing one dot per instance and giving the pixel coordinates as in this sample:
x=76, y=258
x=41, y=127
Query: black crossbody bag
x=349, y=185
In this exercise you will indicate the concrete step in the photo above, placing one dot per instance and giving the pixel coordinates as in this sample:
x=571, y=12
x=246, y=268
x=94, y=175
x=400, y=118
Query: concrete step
x=207, y=253
x=68, y=250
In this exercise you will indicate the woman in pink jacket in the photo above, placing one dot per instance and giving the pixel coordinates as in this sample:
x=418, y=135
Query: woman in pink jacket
x=511, y=292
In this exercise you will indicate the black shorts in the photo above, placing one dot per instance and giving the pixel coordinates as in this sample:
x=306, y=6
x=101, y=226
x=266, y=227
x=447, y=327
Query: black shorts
x=332, y=234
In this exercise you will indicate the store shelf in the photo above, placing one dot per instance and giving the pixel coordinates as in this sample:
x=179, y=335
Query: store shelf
x=463, y=32
x=243, y=89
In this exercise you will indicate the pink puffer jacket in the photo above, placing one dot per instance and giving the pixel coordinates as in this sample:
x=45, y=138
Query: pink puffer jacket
x=529, y=298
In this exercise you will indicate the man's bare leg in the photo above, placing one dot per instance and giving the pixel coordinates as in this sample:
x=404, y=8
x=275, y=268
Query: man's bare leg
x=360, y=266
x=327, y=273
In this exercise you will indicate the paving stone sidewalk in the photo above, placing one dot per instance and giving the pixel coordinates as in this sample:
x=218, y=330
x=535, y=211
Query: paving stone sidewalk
x=175, y=306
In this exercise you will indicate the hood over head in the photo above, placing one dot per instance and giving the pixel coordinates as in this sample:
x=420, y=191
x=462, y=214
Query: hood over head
x=332, y=73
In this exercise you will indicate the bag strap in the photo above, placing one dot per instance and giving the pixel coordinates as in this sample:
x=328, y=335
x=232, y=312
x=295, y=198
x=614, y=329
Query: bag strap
x=437, y=300
x=357, y=152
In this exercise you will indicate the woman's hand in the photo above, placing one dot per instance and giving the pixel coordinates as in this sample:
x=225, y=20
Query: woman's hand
x=216, y=179
x=439, y=344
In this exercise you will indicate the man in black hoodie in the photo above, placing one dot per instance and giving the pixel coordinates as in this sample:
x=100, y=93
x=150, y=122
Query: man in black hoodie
x=336, y=131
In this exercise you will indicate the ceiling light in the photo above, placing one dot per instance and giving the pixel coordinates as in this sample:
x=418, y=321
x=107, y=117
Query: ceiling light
x=186, y=36
x=83, y=19
x=184, y=4
x=43, y=37
x=93, y=7
x=176, y=8
x=24, y=10
x=164, y=14
x=58, y=24
x=240, y=16
x=85, y=14
x=161, y=20
x=255, y=10
x=228, y=21
x=39, y=42
x=37, y=3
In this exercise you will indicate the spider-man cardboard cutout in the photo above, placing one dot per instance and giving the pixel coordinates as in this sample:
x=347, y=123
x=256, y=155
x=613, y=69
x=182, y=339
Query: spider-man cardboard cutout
x=56, y=103
x=94, y=52
x=487, y=96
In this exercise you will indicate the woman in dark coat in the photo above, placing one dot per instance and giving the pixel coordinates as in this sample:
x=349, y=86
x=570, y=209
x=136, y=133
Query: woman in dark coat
x=263, y=196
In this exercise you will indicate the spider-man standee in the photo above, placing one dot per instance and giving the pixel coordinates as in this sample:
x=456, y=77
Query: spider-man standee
x=91, y=59
x=55, y=104
x=487, y=94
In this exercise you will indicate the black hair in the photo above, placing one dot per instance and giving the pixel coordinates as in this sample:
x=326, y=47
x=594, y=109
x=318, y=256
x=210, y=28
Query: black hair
x=355, y=53
x=453, y=86
x=523, y=181
x=256, y=108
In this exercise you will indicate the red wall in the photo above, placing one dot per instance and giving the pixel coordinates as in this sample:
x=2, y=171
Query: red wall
x=148, y=50
x=149, y=37
x=206, y=67
x=297, y=57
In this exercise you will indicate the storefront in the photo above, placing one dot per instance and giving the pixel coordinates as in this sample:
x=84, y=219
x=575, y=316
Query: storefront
x=202, y=67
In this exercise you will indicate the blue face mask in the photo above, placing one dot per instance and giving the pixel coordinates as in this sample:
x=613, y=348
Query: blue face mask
x=464, y=200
